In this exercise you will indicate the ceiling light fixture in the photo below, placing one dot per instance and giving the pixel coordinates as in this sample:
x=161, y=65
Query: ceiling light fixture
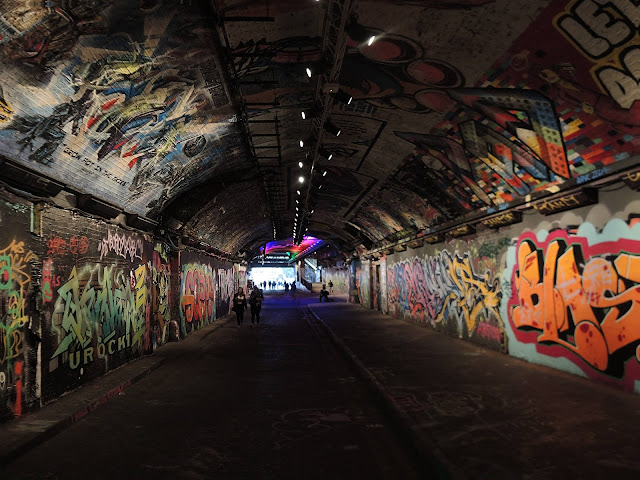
x=304, y=117
x=324, y=174
x=331, y=128
x=325, y=153
x=371, y=40
x=301, y=179
x=301, y=143
x=301, y=164
x=343, y=97
x=309, y=72
x=298, y=192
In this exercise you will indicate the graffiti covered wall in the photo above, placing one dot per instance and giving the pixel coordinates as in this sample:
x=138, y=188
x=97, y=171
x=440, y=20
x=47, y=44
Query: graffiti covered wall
x=340, y=279
x=574, y=298
x=207, y=286
x=197, y=305
x=96, y=299
x=160, y=270
x=454, y=288
x=559, y=290
x=19, y=322
x=80, y=297
x=134, y=111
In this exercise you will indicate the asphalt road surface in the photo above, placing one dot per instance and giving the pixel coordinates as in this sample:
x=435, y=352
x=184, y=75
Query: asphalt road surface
x=275, y=402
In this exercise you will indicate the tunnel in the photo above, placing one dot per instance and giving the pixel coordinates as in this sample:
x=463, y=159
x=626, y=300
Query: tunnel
x=445, y=184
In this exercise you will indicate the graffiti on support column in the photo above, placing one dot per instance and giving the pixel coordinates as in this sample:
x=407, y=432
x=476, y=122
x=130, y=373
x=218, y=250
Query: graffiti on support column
x=160, y=276
x=445, y=291
x=15, y=280
x=226, y=290
x=122, y=245
x=582, y=296
x=197, y=298
x=99, y=312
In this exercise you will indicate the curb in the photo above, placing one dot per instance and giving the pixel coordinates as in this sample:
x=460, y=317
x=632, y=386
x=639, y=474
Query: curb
x=429, y=454
x=75, y=416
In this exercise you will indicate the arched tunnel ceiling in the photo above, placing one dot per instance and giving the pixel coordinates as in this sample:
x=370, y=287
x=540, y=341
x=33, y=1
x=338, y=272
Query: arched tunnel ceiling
x=459, y=106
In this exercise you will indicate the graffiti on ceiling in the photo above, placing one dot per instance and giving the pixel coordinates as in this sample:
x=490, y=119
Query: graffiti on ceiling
x=121, y=102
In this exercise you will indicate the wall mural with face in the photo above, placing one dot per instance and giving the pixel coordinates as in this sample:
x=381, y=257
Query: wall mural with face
x=124, y=102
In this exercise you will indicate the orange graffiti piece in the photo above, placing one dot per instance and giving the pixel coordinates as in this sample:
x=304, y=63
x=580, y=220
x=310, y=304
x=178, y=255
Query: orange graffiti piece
x=188, y=306
x=570, y=297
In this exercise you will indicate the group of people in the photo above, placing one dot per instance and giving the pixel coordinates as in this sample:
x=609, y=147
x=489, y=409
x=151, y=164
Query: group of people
x=240, y=303
x=273, y=284
x=255, y=304
x=290, y=291
x=324, y=293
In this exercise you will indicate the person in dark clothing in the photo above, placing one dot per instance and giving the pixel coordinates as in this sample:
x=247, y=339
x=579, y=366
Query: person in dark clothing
x=239, y=304
x=330, y=286
x=286, y=289
x=324, y=294
x=255, y=303
x=293, y=290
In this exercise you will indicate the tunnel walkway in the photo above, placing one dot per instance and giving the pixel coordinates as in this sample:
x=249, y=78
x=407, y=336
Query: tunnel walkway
x=283, y=401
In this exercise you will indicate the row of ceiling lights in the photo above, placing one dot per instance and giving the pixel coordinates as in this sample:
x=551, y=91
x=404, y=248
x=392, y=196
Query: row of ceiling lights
x=342, y=97
x=345, y=98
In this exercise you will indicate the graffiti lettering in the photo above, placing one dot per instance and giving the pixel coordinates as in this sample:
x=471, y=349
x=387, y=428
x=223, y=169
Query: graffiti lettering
x=622, y=84
x=14, y=278
x=98, y=302
x=49, y=281
x=443, y=288
x=600, y=29
x=121, y=245
x=197, y=300
x=56, y=245
x=589, y=304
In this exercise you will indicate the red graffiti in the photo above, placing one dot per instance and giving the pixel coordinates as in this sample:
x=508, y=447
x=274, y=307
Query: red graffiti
x=59, y=246
x=198, y=297
x=17, y=405
x=49, y=281
x=56, y=245
x=78, y=245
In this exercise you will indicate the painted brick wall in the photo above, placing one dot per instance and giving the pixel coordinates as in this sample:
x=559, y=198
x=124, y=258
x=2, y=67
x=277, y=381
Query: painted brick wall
x=559, y=290
x=80, y=297
x=19, y=320
x=96, y=300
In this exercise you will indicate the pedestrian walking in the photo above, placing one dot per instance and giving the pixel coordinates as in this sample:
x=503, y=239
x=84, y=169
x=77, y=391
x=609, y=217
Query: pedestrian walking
x=330, y=286
x=286, y=289
x=239, y=304
x=255, y=303
x=293, y=290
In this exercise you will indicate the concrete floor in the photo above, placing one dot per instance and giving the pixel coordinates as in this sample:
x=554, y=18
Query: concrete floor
x=286, y=401
x=275, y=402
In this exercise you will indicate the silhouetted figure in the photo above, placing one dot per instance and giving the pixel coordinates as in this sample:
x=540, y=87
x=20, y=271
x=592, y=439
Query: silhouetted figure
x=255, y=303
x=239, y=304
x=330, y=286
x=324, y=294
x=293, y=290
x=286, y=289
